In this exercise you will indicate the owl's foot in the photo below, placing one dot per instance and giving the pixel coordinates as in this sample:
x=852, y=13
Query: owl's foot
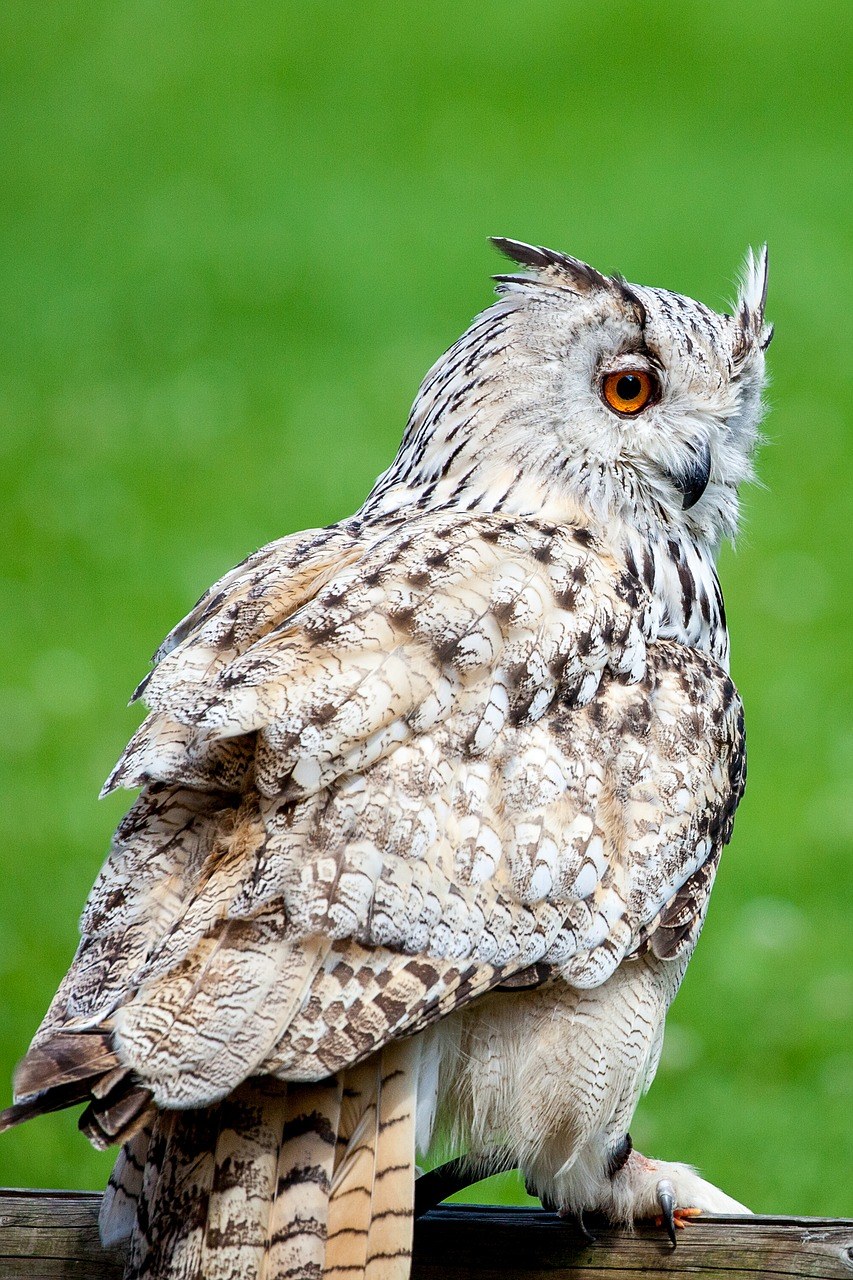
x=667, y=1193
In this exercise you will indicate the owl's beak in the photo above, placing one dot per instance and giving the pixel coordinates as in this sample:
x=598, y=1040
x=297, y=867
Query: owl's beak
x=693, y=482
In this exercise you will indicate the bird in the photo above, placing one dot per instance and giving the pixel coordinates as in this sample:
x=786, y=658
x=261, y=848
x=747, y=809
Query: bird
x=430, y=806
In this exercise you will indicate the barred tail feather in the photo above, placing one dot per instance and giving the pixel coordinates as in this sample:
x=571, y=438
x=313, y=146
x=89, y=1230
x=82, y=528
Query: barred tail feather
x=121, y=1197
x=389, y=1244
x=207, y=1207
x=300, y=1181
x=352, y=1183
x=171, y=1212
x=372, y=1196
x=251, y=1120
x=296, y=1236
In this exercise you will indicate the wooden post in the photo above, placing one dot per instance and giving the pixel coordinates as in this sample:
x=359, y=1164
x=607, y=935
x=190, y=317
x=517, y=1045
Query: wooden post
x=53, y=1235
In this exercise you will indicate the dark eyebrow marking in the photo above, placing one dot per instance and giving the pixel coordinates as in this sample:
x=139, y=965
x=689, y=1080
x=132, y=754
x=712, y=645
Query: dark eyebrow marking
x=645, y=352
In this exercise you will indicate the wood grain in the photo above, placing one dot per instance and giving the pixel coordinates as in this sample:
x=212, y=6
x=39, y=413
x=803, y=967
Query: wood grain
x=529, y=1244
x=53, y=1235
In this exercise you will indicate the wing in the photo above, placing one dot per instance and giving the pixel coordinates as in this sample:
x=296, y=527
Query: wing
x=381, y=778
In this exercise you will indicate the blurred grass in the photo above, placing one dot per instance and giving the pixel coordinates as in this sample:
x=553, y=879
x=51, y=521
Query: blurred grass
x=232, y=242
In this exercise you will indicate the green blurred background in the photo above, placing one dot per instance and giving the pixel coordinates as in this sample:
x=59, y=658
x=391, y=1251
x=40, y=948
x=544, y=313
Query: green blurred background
x=233, y=240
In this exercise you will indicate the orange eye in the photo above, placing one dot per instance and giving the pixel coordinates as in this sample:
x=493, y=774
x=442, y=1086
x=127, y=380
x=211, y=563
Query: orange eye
x=628, y=391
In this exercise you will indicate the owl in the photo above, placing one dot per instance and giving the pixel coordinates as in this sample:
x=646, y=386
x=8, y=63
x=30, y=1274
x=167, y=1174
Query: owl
x=430, y=807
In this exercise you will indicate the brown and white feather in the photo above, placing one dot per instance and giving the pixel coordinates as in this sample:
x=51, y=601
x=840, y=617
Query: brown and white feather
x=480, y=731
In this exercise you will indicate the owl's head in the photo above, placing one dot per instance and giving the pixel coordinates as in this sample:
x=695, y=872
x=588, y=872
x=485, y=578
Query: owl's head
x=656, y=389
x=634, y=404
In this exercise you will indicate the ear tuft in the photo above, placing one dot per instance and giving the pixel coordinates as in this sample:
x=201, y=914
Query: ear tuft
x=751, y=301
x=752, y=295
x=561, y=268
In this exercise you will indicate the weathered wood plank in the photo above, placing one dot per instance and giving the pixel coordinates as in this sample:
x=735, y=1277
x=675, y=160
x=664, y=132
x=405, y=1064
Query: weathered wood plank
x=529, y=1244
x=51, y=1235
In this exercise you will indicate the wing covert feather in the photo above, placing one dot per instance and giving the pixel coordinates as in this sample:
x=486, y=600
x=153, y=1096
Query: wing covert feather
x=480, y=608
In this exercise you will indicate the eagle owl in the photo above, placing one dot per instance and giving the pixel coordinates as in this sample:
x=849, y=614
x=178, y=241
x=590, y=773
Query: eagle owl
x=431, y=805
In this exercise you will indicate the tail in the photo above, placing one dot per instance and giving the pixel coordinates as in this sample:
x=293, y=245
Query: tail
x=303, y=1181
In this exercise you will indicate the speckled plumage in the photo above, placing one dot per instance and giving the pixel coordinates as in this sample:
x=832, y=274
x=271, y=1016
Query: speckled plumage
x=432, y=803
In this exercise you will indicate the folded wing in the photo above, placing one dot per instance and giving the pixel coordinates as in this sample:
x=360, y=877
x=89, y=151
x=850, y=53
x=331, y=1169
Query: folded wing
x=380, y=778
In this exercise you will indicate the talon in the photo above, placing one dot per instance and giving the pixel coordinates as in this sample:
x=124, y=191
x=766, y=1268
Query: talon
x=577, y=1219
x=585, y=1231
x=666, y=1200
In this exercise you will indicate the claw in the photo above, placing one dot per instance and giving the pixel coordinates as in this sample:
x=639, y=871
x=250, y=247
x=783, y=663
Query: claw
x=666, y=1200
x=576, y=1216
x=584, y=1230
